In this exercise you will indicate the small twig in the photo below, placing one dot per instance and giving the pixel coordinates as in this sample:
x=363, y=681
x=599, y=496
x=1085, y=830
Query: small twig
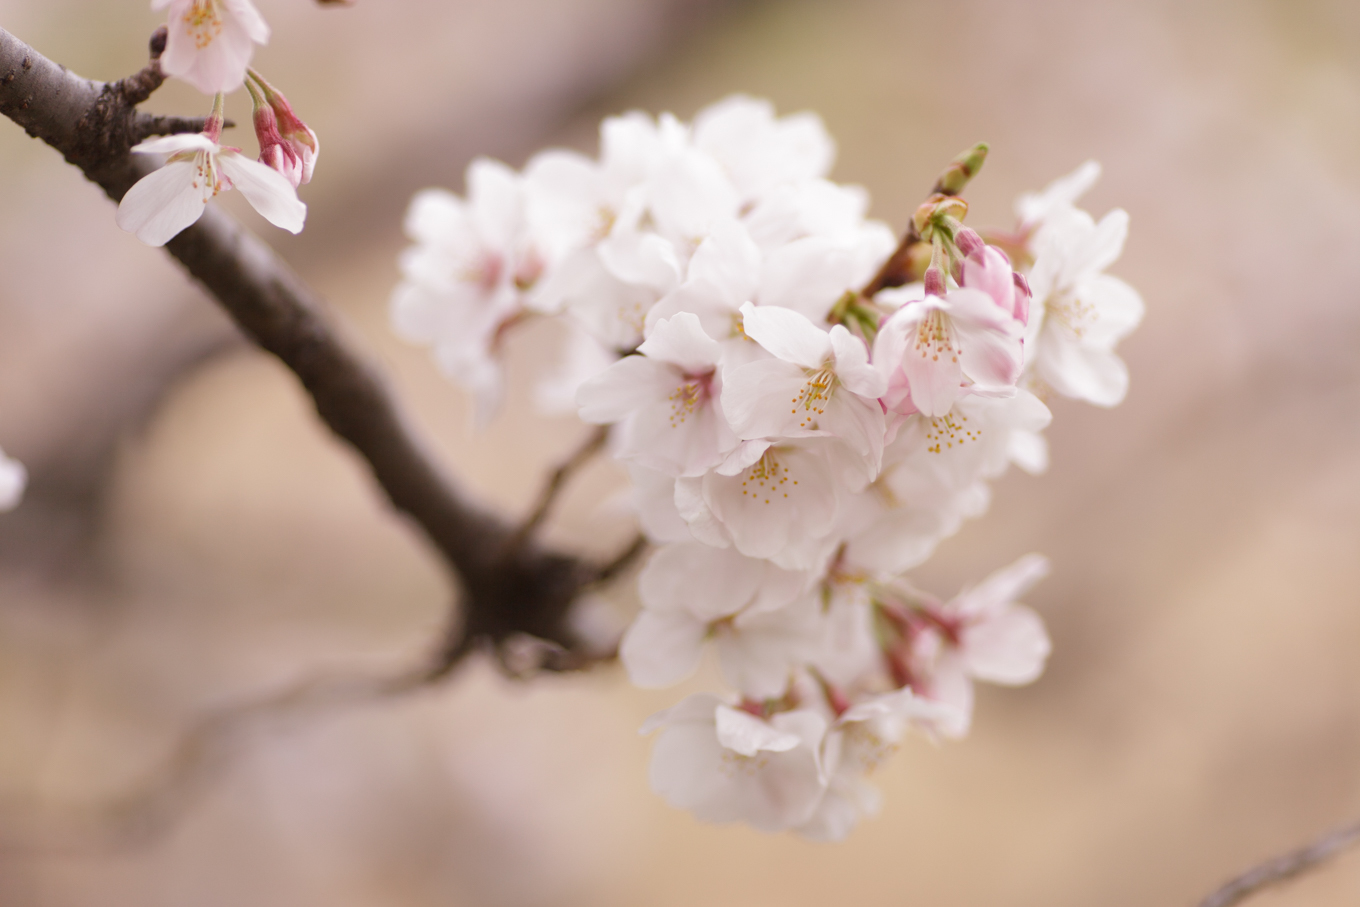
x=149, y=125
x=1284, y=867
x=145, y=813
x=557, y=480
x=620, y=564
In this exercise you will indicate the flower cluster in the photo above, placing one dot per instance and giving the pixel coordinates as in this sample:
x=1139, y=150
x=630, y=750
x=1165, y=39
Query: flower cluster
x=209, y=44
x=806, y=407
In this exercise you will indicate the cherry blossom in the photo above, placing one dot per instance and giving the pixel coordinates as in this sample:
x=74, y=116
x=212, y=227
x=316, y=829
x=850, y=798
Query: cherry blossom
x=666, y=400
x=796, y=442
x=210, y=41
x=165, y=202
x=817, y=384
x=468, y=277
x=1081, y=313
x=756, y=613
x=727, y=765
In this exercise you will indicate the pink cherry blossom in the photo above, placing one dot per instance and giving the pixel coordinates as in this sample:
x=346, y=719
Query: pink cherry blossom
x=165, y=202
x=210, y=41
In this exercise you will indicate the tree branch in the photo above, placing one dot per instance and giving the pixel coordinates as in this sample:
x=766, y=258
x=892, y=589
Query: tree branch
x=1282, y=868
x=558, y=480
x=509, y=584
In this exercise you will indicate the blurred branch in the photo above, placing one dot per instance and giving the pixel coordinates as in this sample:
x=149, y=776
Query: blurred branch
x=559, y=478
x=1282, y=868
x=168, y=125
x=509, y=584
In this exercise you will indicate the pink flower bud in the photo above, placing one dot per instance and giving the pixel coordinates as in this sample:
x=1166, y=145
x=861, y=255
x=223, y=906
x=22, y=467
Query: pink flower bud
x=286, y=143
x=934, y=280
x=970, y=243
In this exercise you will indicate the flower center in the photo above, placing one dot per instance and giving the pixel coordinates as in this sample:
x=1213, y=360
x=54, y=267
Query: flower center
x=814, y=396
x=934, y=338
x=686, y=398
x=1071, y=312
x=767, y=478
x=949, y=431
x=203, y=22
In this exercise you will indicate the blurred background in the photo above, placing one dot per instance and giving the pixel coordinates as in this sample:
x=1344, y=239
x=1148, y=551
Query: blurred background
x=192, y=536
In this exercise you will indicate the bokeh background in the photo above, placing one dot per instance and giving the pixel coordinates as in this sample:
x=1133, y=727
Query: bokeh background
x=192, y=536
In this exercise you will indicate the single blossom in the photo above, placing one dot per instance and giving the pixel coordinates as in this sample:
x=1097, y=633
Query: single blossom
x=817, y=384
x=286, y=143
x=984, y=634
x=935, y=350
x=165, y=202
x=1080, y=312
x=666, y=400
x=727, y=765
x=756, y=614
x=858, y=742
x=210, y=41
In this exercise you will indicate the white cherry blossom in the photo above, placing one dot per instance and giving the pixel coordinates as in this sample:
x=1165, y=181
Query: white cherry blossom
x=210, y=41
x=467, y=277
x=933, y=351
x=167, y=201
x=1080, y=313
x=666, y=400
x=817, y=384
x=756, y=613
x=857, y=743
x=726, y=765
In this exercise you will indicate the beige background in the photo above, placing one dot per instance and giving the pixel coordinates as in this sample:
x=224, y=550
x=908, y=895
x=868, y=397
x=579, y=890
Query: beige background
x=192, y=536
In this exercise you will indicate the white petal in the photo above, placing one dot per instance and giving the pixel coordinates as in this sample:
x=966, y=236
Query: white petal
x=1009, y=648
x=696, y=579
x=173, y=144
x=627, y=385
x=681, y=340
x=659, y=650
x=746, y=734
x=787, y=334
x=163, y=203
x=267, y=190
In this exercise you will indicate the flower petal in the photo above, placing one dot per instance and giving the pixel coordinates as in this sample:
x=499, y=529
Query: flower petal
x=267, y=190
x=163, y=203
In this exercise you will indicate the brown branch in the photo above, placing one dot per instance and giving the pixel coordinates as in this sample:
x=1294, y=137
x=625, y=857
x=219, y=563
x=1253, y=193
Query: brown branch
x=1282, y=868
x=557, y=480
x=509, y=584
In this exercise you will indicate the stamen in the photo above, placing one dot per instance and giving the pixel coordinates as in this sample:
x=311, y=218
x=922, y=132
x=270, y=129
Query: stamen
x=950, y=431
x=204, y=24
x=814, y=397
x=934, y=338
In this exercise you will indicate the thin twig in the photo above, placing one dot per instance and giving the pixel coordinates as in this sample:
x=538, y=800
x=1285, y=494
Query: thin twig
x=168, y=125
x=1281, y=868
x=150, y=809
x=557, y=480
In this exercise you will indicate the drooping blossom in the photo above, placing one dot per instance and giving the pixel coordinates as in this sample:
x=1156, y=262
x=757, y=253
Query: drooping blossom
x=165, y=202
x=727, y=765
x=210, y=41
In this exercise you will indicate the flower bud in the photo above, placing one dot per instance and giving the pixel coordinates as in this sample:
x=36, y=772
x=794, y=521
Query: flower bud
x=286, y=143
x=970, y=243
x=962, y=169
